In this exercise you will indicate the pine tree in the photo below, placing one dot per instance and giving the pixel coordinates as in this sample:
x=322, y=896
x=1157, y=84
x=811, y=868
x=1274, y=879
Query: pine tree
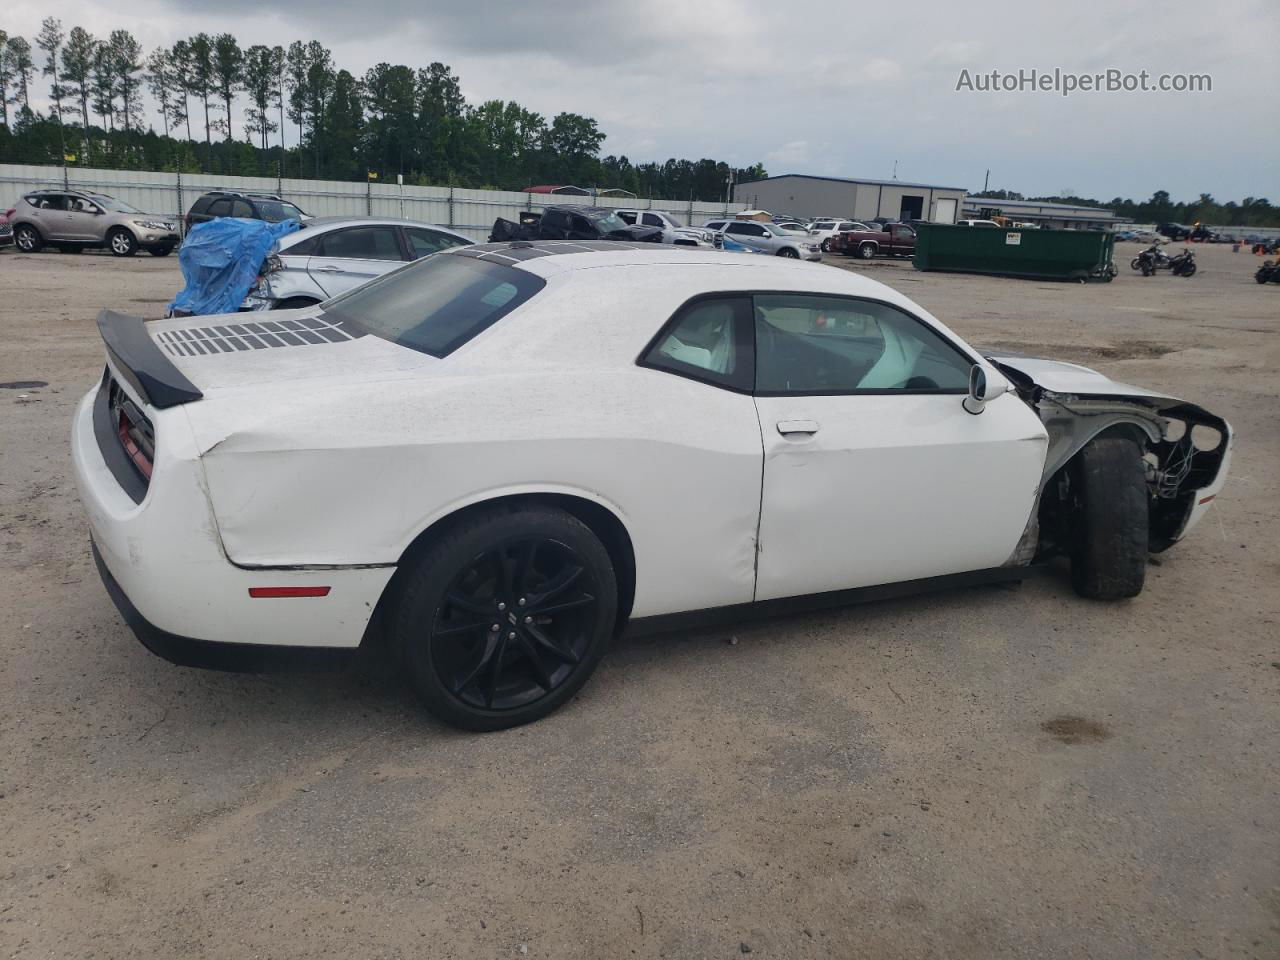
x=228, y=70
x=77, y=68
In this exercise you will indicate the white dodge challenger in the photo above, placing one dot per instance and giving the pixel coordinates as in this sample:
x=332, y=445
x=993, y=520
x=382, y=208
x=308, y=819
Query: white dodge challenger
x=508, y=452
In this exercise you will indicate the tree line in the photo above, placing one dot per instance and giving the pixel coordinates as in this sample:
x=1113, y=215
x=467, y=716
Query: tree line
x=393, y=120
x=1249, y=212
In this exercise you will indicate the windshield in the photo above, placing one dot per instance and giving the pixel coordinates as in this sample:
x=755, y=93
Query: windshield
x=274, y=211
x=111, y=203
x=437, y=304
x=609, y=222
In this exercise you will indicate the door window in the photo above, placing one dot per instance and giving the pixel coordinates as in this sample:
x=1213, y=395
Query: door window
x=580, y=227
x=652, y=220
x=834, y=345
x=362, y=243
x=239, y=208
x=53, y=201
x=81, y=205
x=423, y=242
x=746, y=229
x=220, y=208
x=709, y=340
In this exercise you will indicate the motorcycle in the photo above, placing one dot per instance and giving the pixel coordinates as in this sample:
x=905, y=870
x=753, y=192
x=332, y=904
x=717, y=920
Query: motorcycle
x=1184, y=264
x=1269, y=272
x=1153, y=257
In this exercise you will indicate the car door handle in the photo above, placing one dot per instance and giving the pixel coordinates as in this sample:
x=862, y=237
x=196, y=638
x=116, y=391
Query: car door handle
x=791, y=427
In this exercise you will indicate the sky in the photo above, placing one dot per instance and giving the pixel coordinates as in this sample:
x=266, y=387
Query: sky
x=829, y=88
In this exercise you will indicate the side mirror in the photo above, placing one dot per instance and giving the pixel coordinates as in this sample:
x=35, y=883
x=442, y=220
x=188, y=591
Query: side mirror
x=983, y=388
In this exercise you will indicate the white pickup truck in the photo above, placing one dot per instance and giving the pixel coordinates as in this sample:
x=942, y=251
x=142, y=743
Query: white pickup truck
x=672, y=232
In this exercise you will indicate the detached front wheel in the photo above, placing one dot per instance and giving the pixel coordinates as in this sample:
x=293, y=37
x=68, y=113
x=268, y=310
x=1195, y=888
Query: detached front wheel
x=1111, y=520
x=505, y=617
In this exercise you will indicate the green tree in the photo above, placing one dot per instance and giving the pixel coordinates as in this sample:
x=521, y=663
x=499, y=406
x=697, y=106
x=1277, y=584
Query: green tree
x=104, y=86
x=125, y=57
x=198, y=72
x=21, y=68
x=6, y=77
x=50, y=41
x=166, y=87
x=228, y=72
x=77, y=69
x=261, y=77
x=342, y=126
x=390, y=101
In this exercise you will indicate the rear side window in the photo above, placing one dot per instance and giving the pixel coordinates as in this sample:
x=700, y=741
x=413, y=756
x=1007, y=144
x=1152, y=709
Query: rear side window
x=423, y=242
x=220, y=208
x=201, y=205
x=363, y=243
x=437, y=304
x=707, y=340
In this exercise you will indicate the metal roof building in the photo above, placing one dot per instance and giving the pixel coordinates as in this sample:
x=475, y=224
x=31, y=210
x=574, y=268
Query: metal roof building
x=802, y=195
x=1057, y=216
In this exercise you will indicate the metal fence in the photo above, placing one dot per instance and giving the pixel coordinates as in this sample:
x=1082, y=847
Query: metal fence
x=470, y=212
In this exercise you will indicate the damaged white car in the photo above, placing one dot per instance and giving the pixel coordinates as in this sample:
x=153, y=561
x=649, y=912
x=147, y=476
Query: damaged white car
x=510, y=452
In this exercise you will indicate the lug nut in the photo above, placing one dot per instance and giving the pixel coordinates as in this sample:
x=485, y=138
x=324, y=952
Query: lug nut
x=528, y=619
x=511, y=635
x=502, y=606
x=495, y=628
x=521, y=601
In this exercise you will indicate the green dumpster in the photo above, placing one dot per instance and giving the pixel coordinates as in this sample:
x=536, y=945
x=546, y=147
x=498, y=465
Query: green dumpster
x=1013, y=252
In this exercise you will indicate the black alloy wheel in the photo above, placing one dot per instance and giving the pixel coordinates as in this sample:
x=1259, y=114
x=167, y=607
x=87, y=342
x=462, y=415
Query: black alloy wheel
x=506, y=617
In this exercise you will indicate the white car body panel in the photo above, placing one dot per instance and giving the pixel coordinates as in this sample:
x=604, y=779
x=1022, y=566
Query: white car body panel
x=892, y=487
x=322, y=463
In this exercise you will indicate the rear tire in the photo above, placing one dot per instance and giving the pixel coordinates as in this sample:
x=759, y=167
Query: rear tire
x=537, y=574
x=163, y=251
x=867, y=251
x=27, y=238
x=1111, y=518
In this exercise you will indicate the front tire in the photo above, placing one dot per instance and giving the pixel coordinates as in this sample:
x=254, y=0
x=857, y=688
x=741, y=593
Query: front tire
x=122, y=243
x=27, y=239
x=1189, y=270
x=505, y=617
x=788, y=253
x=1111, y=520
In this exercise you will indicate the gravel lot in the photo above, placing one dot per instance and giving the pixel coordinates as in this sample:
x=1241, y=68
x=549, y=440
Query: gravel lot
x=986, y=773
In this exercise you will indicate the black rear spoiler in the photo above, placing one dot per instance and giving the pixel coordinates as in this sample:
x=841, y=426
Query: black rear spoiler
x=142, y=363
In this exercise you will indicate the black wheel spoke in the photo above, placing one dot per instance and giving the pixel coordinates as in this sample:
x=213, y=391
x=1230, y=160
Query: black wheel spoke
x=467, y=604
x=495, y=672
x=563, y=654
x=524, y=567
x=486, y=655
x=453, y=628
x=584, y=600
x=557, y=585
x=536, y=664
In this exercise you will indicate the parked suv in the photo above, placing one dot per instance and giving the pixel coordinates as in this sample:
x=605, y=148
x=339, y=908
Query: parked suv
x=73, y=221
x=246, y=206
x=767, y=238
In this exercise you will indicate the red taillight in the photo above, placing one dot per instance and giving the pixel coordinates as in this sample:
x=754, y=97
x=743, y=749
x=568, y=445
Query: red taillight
x=135, y=452
x=264, y=593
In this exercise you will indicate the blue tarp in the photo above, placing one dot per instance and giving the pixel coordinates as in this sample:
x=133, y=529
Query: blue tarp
x=732, y=246
x=220, y=260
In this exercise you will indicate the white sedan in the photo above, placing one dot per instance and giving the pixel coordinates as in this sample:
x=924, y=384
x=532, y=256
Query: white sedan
x=508, y=452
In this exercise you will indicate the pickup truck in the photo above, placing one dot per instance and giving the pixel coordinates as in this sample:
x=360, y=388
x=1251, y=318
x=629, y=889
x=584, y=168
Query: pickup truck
x=896, y=239
x=572, y=222
x=672, y=232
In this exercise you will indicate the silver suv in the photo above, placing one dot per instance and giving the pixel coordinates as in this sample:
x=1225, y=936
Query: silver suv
x=72, y=220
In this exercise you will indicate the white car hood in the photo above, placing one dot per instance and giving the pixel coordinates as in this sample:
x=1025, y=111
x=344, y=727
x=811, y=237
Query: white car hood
x=1062, y=377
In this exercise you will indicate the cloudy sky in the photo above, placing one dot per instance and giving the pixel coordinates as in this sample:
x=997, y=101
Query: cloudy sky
x=833, y=88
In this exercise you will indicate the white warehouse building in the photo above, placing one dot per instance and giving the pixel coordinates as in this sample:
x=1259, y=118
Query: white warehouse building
x=801, y=195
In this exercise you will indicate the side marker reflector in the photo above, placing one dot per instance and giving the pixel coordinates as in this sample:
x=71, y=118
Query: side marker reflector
x=262, y=593
x=1204, y=500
